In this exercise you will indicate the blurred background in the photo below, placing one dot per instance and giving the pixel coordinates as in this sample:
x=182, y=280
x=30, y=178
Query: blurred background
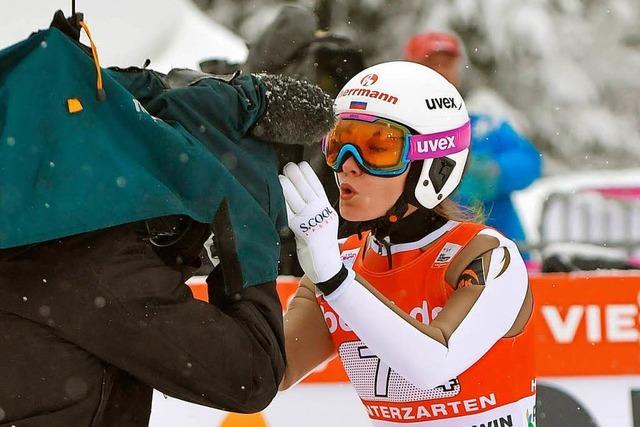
x=564, y=74
x=564, y=71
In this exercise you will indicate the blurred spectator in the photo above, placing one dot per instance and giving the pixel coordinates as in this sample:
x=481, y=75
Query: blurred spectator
x=293, y=45
x=502, y=161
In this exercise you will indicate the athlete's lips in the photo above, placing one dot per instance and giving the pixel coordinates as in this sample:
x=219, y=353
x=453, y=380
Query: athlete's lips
x=347, y=192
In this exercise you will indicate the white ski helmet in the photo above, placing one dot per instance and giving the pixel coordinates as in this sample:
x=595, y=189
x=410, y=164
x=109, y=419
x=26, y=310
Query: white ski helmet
x=422, y=100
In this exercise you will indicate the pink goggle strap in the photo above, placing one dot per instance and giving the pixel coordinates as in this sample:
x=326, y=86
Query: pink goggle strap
x=358, y=116
x=428, y=146
x=434, y=145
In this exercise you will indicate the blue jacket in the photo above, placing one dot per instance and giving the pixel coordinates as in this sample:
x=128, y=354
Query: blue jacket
x=501, y=161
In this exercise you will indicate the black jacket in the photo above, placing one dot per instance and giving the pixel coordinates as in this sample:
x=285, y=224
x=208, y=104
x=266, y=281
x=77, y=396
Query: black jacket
x=90, y=324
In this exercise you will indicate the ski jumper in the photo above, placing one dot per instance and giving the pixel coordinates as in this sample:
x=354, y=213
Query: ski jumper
x=496, y=389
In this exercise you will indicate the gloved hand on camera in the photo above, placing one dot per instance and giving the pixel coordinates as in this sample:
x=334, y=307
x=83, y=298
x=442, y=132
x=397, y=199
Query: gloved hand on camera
x=314, y=223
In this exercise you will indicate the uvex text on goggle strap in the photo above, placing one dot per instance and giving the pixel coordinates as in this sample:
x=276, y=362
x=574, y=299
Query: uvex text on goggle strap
x=384, y=148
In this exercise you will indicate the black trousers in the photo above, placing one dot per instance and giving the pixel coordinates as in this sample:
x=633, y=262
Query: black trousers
x=91, y=323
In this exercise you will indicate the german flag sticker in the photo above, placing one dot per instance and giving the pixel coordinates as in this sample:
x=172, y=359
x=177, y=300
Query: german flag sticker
x=74, y=105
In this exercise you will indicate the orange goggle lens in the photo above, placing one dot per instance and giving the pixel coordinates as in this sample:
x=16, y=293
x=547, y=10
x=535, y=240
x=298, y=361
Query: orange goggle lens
x=381, y=145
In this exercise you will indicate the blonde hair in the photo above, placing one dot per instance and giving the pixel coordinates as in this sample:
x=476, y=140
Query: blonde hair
x=454, y=211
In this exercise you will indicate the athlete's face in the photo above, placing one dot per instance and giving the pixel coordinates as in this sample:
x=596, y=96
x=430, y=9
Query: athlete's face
x=363, y=196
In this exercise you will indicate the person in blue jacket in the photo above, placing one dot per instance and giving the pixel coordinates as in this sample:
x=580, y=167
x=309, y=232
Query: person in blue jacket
x=502, y=160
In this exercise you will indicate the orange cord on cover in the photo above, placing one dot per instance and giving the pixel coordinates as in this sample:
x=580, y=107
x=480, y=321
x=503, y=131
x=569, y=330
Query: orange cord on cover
x=94, y=51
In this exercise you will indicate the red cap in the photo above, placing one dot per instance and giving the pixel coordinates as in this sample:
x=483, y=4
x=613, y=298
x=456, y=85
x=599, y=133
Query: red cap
x=421, y=45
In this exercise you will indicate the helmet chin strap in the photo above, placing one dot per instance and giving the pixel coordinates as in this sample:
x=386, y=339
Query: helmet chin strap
x=383, y=227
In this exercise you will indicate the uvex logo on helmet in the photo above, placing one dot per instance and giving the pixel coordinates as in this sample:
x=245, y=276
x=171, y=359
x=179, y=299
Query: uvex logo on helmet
x=438, y=144
x=369, y=79
x=317, y=219
x=433, y=103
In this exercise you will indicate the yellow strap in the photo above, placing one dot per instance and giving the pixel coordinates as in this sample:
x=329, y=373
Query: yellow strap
x=96, y=60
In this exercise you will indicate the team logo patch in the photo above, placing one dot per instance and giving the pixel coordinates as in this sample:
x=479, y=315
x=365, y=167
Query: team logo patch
x=445, y=255
x=369, y=79
x=317, y=221
x=473, y=275
x=358, y=105
x=349, y=257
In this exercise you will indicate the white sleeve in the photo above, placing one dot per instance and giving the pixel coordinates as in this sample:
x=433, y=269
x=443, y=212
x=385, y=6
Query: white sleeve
x=421, y=360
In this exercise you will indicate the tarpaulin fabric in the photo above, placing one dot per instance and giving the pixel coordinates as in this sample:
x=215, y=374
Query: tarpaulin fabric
x=182, y=151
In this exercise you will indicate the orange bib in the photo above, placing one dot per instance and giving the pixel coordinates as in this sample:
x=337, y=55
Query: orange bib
x=499, y=387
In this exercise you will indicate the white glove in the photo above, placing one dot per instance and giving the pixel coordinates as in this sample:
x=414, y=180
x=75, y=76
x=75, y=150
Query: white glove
x=313, y=221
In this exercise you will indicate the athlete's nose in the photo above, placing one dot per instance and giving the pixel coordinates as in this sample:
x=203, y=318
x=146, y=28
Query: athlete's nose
x=351, y=167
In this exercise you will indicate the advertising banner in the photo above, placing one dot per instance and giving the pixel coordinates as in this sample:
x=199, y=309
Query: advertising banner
x=587, y=358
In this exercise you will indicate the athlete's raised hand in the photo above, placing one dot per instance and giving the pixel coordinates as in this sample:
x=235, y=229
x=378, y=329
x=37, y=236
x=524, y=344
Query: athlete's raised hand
x=313, y=221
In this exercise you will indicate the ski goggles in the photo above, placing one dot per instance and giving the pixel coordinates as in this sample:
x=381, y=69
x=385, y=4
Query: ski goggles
x=384, y=148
